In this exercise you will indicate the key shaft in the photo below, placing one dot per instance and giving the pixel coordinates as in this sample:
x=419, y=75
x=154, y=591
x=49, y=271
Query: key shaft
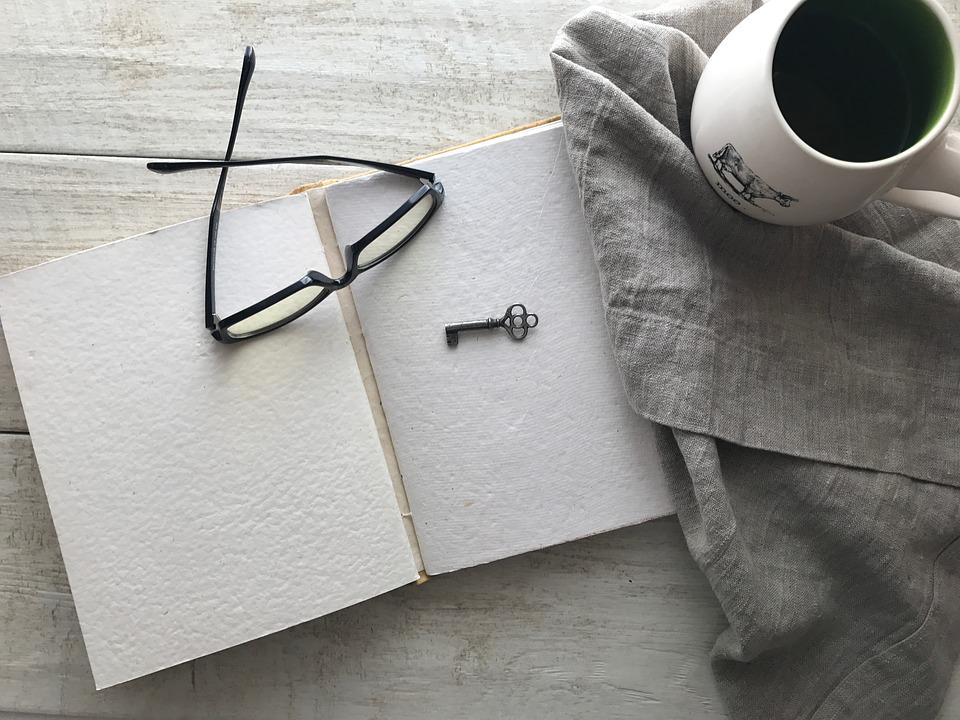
x=453, y=330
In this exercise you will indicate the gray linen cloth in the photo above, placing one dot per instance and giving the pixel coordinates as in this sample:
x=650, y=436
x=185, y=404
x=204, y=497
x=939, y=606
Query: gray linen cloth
x=806, y=383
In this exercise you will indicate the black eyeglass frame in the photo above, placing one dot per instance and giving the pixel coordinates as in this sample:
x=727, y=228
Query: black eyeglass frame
x=220, y=328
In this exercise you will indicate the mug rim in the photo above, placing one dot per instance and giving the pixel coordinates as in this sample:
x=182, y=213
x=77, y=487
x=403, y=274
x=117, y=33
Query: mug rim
x=949, y=111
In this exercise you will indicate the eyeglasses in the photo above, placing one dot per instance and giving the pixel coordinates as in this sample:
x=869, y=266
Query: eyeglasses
x=309, y=291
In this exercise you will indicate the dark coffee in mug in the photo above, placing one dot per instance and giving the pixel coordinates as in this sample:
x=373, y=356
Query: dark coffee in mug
x=862, y=80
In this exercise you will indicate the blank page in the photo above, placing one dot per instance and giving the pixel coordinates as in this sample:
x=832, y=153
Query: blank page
x=504, y=446
x=203, y=494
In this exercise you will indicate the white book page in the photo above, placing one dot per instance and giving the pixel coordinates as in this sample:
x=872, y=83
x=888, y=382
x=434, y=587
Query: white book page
x=504, y=446
x=203, y=494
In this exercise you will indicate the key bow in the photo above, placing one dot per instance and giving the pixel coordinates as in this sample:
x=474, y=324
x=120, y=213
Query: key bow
x=517, y=321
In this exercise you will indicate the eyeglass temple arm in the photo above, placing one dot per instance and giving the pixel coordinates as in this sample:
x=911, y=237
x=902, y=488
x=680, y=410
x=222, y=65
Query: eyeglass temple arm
x=184, y=165
x=249, y=65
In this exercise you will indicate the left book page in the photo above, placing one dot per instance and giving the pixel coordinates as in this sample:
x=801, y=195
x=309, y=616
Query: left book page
x=203, y=495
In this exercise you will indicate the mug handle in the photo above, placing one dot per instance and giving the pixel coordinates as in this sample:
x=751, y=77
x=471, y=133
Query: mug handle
x=932, y=181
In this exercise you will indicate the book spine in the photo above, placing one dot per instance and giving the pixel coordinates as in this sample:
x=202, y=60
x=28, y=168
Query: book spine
x=321, y=214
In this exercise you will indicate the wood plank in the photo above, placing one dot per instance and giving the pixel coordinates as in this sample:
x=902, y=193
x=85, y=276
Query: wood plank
x=615, y=626
x=372, y=80
x=11, y=411
x=55, y=205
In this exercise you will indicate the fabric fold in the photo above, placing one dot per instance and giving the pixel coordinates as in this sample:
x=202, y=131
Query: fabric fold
x=805, y=382
x=836, y=342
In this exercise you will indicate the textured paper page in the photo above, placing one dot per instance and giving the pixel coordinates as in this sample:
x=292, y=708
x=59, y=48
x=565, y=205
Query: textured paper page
x=203, y=495
x=504, y=446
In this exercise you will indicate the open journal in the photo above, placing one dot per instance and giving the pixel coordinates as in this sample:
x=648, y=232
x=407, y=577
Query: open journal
x=205, y=495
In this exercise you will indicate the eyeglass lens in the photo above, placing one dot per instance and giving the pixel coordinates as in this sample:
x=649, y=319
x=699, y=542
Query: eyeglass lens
x=397, y=233
x=280, y=310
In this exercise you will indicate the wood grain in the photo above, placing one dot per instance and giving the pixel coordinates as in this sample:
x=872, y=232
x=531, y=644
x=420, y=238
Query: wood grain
x=11, y=411
x=374, y=79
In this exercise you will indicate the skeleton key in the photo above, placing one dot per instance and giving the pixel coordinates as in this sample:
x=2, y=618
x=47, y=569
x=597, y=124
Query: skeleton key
x=516, y=321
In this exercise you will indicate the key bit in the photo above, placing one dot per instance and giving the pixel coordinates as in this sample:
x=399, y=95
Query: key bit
x=516, y=321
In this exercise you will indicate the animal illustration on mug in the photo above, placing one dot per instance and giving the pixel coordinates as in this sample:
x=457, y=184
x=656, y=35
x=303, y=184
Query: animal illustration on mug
x=735, y=172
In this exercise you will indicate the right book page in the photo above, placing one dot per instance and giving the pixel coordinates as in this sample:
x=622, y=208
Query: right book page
x=504, y=446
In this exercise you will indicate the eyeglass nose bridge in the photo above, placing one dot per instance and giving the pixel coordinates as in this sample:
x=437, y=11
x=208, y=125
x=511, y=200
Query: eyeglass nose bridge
x=316, y=278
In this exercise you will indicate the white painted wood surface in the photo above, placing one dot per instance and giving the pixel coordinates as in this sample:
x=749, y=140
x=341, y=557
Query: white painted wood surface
x=616, y=626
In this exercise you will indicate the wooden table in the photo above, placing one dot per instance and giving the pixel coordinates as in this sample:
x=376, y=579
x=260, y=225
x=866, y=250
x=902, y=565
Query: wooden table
x=616, y=626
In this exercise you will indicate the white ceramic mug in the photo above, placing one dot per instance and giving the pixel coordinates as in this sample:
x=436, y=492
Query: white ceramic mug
x=756, y=160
